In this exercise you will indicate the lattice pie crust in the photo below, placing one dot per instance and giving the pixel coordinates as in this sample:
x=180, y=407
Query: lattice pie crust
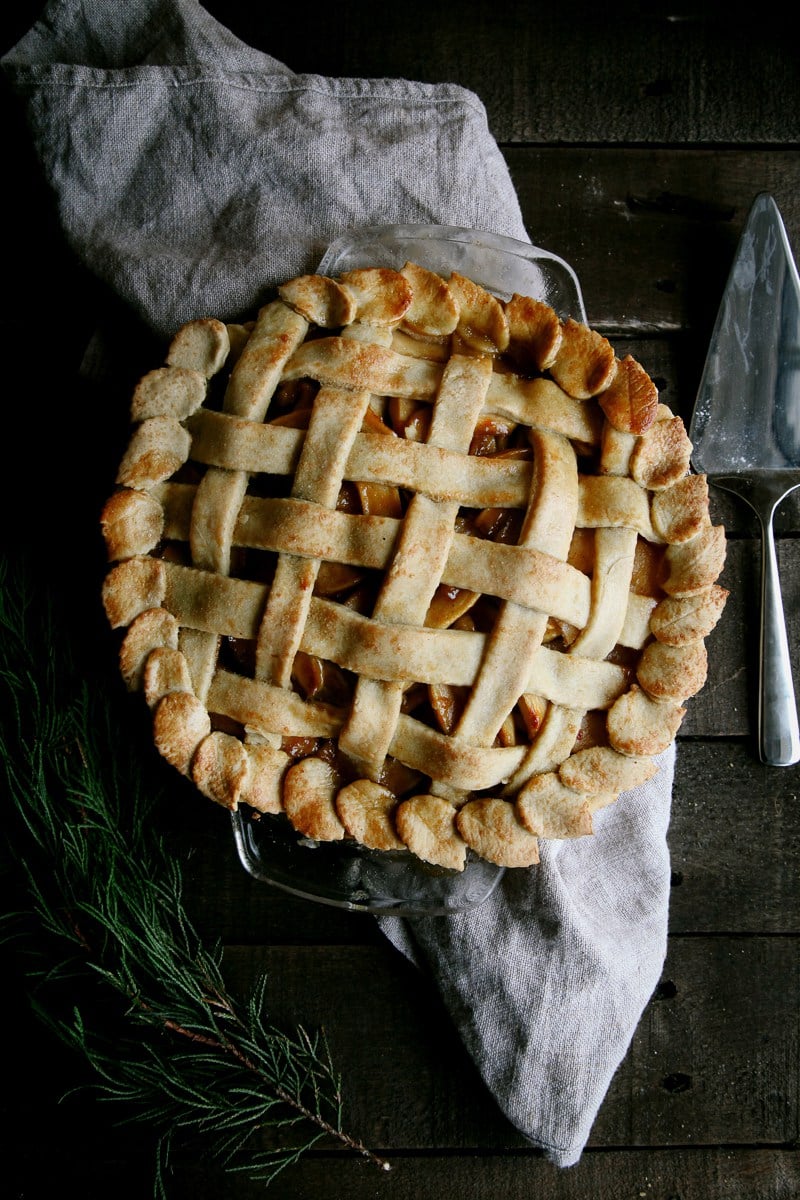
x=411, y=565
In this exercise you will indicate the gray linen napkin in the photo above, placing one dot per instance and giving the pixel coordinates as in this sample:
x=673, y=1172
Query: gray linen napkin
x=547, y=980
x=191, y=173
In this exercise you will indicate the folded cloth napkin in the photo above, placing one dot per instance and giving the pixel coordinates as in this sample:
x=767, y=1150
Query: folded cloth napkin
x=547, y=980
x=191, y=173
x=191, y=170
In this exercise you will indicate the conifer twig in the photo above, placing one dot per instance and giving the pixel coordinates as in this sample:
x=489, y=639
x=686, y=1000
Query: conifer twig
x=104, y=913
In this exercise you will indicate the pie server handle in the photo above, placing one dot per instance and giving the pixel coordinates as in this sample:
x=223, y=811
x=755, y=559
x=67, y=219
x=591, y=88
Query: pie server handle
x=778, y=734
x=779, y=738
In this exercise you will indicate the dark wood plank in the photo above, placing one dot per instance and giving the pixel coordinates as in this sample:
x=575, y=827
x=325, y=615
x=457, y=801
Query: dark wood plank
x=716, y=1051
x=714, y=1060
x=651, y=233
x=686, y=1175
x=721, y=1173
x=716, y=1056
x=552, y=73
x=734, y=839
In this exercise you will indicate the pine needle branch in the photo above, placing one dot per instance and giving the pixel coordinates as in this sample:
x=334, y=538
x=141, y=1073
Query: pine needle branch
x=163, y=1035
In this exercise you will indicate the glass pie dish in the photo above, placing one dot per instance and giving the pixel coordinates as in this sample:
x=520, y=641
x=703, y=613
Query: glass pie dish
x=502, y=265
x=343, y=873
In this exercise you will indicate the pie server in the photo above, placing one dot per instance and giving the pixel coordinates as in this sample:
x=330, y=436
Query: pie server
x=745, y=433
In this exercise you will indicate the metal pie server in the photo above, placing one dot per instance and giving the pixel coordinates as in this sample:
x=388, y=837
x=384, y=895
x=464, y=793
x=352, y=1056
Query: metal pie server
x=745, y=433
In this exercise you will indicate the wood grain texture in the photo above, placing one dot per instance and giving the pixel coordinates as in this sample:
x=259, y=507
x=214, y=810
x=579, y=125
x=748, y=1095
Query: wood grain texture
x=734, y=840
x=651, y=233
x=714, y=1060
x=560, y=73
x=615, y=1175
x=717, y=1050
x=721, y=1173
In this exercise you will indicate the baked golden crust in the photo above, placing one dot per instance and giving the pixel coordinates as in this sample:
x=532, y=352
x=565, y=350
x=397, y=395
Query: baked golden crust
x=408, y=564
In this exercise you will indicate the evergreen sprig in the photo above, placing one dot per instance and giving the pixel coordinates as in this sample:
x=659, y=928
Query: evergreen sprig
x=104, y=920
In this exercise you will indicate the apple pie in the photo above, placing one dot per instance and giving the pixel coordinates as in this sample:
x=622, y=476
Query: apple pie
x=403, y=562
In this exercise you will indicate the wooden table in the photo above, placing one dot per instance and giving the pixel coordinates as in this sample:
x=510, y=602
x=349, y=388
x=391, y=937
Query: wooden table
x=637, y=141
